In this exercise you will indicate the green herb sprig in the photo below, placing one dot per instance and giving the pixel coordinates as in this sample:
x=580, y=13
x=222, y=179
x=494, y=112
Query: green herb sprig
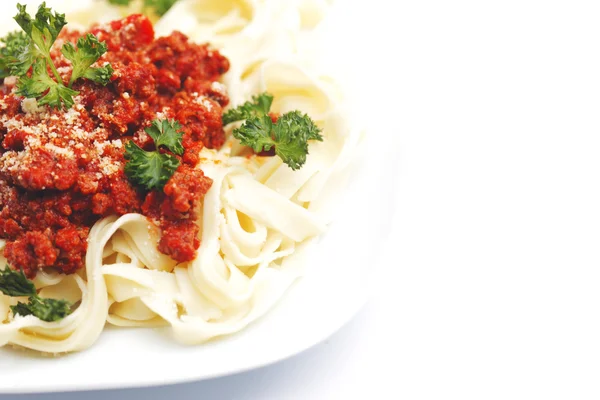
x=29, y=50
x=15, y=284
x=289, y=135
x=160, y=7
x=12, y=46
x=153, y=169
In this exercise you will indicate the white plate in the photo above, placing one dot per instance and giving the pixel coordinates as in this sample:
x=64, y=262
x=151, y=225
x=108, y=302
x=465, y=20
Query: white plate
x=333, y=290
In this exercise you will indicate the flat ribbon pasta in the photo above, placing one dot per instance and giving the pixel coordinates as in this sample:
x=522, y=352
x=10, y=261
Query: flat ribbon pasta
x=242, y=268
x=256, y=222
x=78, y=330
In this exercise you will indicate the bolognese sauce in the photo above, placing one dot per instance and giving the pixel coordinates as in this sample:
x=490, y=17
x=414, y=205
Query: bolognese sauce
x=62, y=170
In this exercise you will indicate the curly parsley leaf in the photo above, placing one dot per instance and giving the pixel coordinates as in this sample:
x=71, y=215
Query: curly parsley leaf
x=48, y=310
x=289, y=135
x=153, y=169
x=41, y=85
x=30, y=50
x=149, y=169
x=166, y=133
x=15, y=284
x=260, y=104
x=13, y=46
x=256, y=133
x=100, y=75
x=24, y=60
x=88, y=51
x=292, y=132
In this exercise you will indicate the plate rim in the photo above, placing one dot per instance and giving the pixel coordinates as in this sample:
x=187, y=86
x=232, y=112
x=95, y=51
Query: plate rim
x=375, y=157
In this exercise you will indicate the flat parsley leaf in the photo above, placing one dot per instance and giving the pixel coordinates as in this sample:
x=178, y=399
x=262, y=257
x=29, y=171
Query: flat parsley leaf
x=289, y=135
x=15, y=284
x=88, y=51
x=153, y=169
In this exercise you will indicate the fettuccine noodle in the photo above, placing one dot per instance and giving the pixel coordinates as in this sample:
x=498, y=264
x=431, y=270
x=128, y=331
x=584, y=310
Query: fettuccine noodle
x=257, y=221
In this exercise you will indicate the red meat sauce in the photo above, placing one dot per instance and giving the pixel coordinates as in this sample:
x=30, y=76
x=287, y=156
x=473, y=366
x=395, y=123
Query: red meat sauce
x=61, y=171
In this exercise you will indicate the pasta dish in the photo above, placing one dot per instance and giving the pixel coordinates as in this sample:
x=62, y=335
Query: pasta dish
x=162, y=164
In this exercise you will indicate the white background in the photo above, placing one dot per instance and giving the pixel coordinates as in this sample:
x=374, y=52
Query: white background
x=489, y=287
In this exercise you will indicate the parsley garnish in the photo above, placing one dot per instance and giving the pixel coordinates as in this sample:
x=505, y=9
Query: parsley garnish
x=166, y=133
x=289, y=135
x=12, y=45
x=160, y=7
x=260, y=105
x=88, y=51
x=15, y=284
x=29, y=50
x=153, y=169
x=40, y=82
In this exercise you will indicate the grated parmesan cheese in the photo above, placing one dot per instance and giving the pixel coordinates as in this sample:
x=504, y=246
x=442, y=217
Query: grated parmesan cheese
x=218, y=87
x=30, y=106
x=59, y=150
x=10, y=81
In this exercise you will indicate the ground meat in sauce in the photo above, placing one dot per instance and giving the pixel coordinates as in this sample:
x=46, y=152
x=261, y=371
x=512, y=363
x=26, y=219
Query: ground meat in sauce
x=61, y=171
